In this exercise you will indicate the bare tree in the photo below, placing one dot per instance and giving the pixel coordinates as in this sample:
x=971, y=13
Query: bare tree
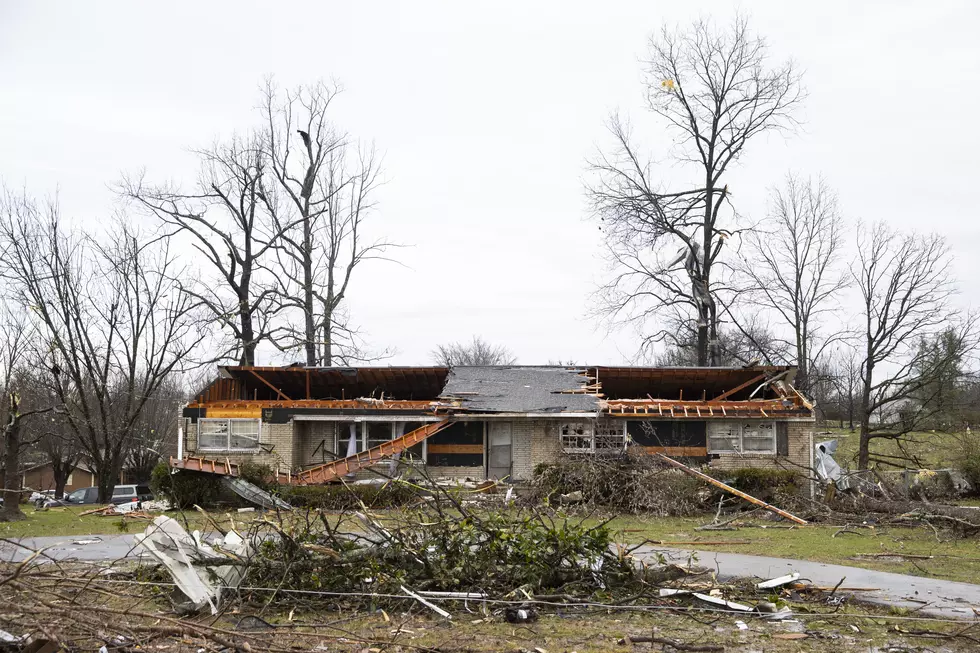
x=113, y=322
x=155, y=432
x=791, y=263
x=906, y=291
x=747, y=342
x=14, y=348
x=57, y=442
x=321, y=194
x=476, y=352
x=715, y=92
x=227, y=220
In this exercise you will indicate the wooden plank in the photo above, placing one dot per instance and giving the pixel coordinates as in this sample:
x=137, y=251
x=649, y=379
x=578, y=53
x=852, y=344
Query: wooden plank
x=456, y=448
x=728, y=488
x=241, y=413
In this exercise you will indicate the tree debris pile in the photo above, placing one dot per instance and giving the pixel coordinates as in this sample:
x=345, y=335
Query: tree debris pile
x=631, y=482
x=440, y=549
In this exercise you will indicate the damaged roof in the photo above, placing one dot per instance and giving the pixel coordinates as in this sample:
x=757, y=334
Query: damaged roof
x=673, y=393
x=521, y=389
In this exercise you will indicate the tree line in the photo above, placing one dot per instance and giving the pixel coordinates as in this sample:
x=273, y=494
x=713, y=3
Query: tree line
x=866, y=312
x=106, y=327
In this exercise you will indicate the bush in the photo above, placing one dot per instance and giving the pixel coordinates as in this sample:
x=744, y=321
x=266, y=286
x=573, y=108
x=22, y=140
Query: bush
x=184, y=489
x=968, y=463
x=257, y=474
x=348, y=497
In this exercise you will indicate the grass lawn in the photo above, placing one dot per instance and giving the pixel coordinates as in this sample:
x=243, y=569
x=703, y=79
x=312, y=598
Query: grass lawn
x=68, y=521
x=952, y=559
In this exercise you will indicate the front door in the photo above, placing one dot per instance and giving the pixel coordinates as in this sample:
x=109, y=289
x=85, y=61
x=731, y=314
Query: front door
x=499, y=445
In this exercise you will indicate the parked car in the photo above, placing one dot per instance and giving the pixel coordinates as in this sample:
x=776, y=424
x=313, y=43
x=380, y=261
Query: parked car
x=131, y=493
x=83, y=495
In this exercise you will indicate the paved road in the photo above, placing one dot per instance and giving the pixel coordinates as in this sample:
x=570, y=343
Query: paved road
x=925, y=595
x=76, y=547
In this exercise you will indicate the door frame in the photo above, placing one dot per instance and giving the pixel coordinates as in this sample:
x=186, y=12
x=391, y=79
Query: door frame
x=487, y=440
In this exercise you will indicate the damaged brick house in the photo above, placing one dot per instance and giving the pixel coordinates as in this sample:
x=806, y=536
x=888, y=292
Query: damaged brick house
x=315, y=425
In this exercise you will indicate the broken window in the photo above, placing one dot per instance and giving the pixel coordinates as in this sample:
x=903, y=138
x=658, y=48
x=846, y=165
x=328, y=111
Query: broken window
x=742, y=437
x=589, y=437
x=576, y=437
x=216, y=434
x=610, y=435
x=377, y=433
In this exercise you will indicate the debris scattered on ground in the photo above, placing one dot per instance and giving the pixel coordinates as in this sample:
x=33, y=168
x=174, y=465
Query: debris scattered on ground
x=193, y=564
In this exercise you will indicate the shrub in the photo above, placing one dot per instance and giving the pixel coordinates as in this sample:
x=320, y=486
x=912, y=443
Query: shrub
x=184, y=489
x=349, y=497
x=257, y=474
x=968, y=463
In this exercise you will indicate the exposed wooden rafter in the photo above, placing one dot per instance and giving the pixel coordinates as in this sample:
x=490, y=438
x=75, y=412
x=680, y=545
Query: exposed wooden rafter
x=274, y=388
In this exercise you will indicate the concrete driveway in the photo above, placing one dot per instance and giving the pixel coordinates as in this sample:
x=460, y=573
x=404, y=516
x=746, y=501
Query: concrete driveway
x=929, y=596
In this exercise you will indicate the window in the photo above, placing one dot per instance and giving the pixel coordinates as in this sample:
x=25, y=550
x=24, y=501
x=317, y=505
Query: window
x=377, y=433
x=610, y=436
x=589, y=437
x=576, y=437
x=742, y=437
x=228, y=434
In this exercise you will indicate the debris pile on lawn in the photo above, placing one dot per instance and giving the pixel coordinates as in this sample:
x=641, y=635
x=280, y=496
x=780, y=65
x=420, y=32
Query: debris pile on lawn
x=633, y=482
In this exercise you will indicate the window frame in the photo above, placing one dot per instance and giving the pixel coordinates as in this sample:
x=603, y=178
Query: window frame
x=740, y=438
x=593, y=431
x=228, y=422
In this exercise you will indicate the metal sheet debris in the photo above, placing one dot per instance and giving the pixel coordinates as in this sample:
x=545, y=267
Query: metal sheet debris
x=193, y=564
x=776, y=582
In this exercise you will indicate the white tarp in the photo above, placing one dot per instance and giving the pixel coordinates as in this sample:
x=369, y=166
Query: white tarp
x=827, y=467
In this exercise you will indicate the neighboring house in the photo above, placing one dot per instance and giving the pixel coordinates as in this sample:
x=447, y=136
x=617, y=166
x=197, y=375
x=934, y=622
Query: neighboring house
x=41, y=477
x=503, y=420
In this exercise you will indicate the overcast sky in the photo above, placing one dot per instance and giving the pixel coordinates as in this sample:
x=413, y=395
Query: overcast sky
x=486, y=113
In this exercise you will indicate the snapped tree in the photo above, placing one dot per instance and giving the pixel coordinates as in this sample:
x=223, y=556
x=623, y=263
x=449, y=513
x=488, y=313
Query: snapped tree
x=714, y=90
x=320, y=192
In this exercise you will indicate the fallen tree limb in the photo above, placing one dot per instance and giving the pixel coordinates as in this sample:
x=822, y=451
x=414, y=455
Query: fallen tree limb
x=728, y=488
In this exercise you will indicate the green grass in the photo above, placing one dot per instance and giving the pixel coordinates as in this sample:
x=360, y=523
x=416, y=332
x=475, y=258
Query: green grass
x=951, y=559
x=69, y=521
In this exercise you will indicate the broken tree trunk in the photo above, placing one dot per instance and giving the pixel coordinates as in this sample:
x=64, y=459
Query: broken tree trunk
x=728, y=488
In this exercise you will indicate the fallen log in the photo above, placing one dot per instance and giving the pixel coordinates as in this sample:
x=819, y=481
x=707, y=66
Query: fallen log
x=728, y=488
